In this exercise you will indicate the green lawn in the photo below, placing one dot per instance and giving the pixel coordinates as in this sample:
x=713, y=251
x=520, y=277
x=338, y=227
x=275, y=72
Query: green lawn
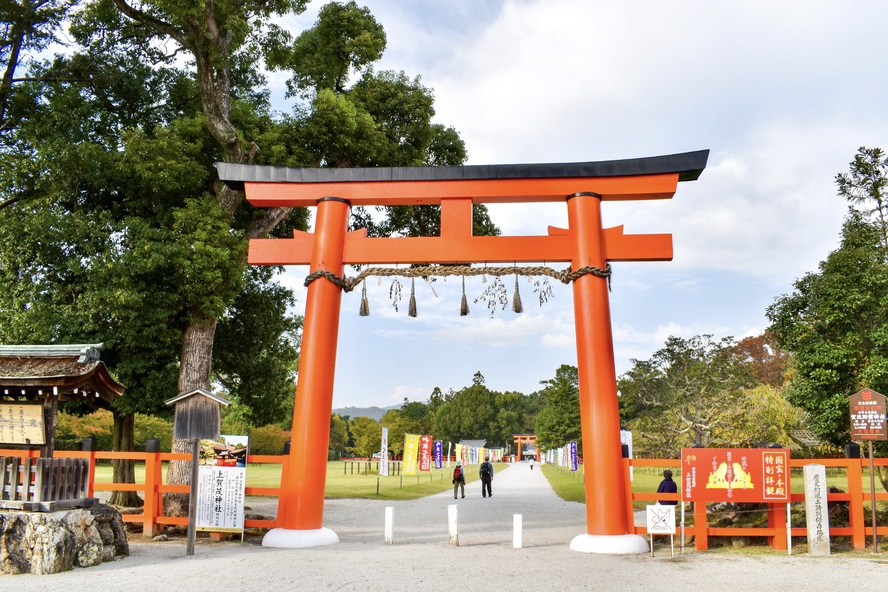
x=569, y=485
x=342, y=485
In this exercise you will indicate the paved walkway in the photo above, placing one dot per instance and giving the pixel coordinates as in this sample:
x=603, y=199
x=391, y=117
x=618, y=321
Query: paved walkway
x=422, y=560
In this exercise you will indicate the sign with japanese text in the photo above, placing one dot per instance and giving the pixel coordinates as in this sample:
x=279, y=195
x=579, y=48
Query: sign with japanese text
x=384, y=453
x=425, y=453
x=574, y=457
x=221, y=485
x=868, y=416
x=21, y=424
x=411, y=450
x=746, y=475
x=439, y=454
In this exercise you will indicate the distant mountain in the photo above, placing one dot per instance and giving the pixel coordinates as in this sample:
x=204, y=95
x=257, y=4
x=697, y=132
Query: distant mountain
x=371, y=412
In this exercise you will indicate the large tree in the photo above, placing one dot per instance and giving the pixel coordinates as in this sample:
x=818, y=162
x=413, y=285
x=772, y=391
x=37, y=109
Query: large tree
x=558, y=422
x=120, y=145
x=836, y=325
x=687, y=393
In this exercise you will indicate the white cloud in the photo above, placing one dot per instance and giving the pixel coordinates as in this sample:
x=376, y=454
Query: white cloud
x=783, y=94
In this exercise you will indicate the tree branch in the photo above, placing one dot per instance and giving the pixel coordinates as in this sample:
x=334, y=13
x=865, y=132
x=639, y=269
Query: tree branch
x=151, y=21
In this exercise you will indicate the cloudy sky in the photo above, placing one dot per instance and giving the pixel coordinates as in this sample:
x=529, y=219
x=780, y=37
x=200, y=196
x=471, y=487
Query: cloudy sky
x=782, y=94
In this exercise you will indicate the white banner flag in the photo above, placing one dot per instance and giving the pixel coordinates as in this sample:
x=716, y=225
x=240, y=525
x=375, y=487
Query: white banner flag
x=383, y=454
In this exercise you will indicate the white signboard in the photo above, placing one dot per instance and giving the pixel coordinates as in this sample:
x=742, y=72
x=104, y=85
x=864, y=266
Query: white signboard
x=220, y=498
x=626, y=440
x=660, y=519
x=221, y=485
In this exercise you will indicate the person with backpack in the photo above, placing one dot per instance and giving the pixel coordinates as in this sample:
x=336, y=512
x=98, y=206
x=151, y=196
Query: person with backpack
x=459, y=479
x=486, y=477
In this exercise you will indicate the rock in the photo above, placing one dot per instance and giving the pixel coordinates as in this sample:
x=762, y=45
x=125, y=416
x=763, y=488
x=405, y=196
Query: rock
x=51, y=542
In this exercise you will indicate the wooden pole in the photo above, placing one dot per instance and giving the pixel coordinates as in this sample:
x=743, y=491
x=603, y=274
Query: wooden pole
x=192, y=497
x=873, y=493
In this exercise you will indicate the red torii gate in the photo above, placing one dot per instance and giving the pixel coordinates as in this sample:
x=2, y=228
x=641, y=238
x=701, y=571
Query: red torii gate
x=585, y=244
x=521, y=440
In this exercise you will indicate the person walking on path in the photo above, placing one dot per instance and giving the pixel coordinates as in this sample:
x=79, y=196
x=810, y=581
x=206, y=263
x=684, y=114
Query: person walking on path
x=486, y=477
x=667, y=485
x=459, y=480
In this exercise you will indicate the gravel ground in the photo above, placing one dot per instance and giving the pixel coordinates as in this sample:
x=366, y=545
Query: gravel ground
x=421, y=559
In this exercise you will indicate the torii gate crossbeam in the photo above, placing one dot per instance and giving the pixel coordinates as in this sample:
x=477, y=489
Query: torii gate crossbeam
x=583, y=186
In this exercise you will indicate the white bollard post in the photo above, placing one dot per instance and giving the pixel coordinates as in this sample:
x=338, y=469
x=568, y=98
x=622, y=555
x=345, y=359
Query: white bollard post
x=516, y=531
x=389, y=525
x=451, y=524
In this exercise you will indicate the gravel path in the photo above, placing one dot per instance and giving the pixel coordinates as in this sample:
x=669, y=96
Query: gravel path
x=422, y=560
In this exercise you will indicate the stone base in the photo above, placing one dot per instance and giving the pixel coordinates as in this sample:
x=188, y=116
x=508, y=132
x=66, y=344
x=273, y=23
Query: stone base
x=625, y=544
x=282, y=538
x=42, y=543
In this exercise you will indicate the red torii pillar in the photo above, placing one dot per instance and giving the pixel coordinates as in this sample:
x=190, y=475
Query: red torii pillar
x=609, y=527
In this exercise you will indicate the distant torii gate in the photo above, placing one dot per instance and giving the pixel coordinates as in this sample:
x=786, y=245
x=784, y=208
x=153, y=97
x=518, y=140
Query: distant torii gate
x=585, y=244
x=521, y=440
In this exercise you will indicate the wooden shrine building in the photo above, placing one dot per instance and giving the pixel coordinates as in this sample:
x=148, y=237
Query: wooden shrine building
x=34, y=379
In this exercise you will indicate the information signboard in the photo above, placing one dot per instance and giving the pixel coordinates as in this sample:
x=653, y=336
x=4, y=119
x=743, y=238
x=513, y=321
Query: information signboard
x=21, y=424
x=221, y=486
x=747, y=475
x=868, y=416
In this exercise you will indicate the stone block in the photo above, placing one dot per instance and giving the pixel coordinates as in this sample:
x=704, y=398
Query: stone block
x=43, y=543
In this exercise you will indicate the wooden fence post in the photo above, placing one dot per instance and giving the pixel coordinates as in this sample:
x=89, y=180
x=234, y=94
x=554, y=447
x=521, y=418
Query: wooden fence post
x=855, y=509
x=153, y=479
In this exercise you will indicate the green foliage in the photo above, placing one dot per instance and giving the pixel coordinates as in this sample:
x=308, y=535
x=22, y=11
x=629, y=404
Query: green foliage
x=268, y=439
x=836, y=325
x=865, y=185
x=688, y=393
x=338, y=435
x=367, y=436
x=345, y=40
x=72, y=429
x=836, y=320
x=468, y=414
x=558, y=422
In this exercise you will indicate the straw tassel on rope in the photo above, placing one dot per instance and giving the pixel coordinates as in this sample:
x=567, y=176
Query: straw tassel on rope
x=411, y=310
x=516, y=299
x=464, y=304
x=365, y=304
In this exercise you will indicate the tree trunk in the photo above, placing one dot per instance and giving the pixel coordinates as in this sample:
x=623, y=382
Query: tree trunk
x=124, y=471
x=882, y=474
x=194, y=373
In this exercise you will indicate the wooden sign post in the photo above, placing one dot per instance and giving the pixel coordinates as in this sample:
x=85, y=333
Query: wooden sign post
x=868, y=423
x=585, y=244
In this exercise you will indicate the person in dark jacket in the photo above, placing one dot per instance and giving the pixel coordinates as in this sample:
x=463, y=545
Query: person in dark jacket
x=667, y=485
x=486, y=473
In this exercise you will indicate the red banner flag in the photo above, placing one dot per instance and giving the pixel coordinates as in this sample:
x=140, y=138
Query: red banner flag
x=425, y=453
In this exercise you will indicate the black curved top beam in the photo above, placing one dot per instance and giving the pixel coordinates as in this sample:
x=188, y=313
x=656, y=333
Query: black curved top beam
x=688, y=165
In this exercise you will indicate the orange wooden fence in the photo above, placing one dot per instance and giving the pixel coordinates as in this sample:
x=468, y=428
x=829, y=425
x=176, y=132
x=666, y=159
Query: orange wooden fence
x=859, y=530
x=152, y=489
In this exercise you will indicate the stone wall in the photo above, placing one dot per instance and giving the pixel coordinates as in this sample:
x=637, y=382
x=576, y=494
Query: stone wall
x=50, y=542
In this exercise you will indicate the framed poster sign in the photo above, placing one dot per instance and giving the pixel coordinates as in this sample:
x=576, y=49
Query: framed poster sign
x=746, y=475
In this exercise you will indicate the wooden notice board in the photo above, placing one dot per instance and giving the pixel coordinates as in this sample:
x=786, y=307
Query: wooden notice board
x=21, y=424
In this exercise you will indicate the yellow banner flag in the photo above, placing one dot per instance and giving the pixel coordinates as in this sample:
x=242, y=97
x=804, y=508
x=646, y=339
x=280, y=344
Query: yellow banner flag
x=411, y=449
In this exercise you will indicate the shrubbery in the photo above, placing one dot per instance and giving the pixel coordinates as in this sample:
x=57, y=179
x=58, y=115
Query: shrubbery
x=71, y=430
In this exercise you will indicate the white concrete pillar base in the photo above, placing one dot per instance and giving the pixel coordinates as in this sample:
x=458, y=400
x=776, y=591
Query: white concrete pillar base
x=281, y=538
x=618, y=544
